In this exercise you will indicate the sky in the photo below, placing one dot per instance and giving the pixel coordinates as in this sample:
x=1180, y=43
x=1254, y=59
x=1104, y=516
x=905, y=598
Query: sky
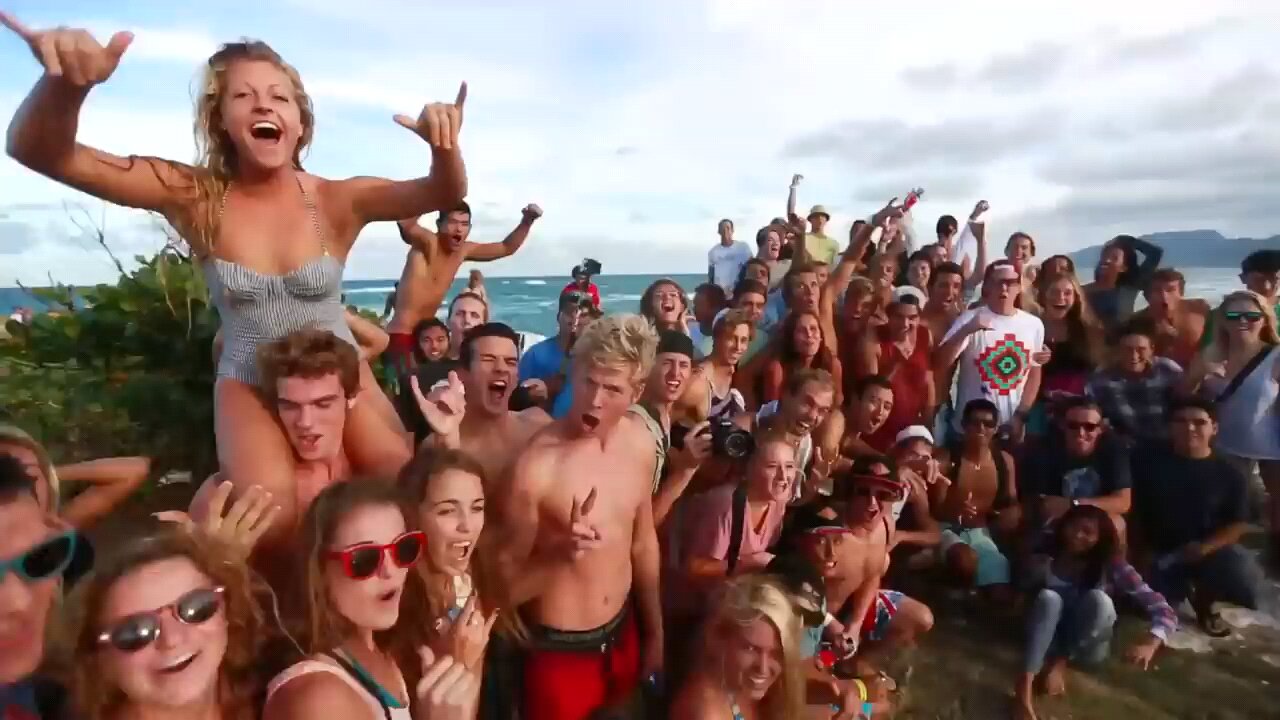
x=637, y=126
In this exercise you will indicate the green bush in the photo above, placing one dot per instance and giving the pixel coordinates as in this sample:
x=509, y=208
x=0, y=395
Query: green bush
x=130, y=372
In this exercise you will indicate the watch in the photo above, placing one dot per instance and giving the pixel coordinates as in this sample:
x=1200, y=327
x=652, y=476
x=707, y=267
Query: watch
x=1075, y=503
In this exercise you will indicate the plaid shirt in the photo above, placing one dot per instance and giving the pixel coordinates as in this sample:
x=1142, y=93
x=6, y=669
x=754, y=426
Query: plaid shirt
x=1137, y=407
x=1123, y=579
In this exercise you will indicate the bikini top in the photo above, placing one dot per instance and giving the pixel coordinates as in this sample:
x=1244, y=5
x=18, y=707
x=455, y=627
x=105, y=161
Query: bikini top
x=256, y=308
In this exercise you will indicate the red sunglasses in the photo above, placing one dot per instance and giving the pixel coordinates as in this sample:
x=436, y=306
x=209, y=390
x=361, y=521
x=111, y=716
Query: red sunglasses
x=363, y=561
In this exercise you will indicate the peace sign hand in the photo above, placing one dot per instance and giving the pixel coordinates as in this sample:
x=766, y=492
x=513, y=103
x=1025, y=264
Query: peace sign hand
x=583, y=533
x=438, y=123
x=70, y=53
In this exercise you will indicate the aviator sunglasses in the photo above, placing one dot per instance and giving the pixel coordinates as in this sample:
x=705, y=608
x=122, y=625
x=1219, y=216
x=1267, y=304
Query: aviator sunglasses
x=138, y=631
x=363, y=561
x=46, y=560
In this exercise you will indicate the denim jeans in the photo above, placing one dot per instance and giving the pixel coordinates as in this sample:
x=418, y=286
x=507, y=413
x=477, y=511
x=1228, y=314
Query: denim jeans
x=1229, y=575
x=1077, y=627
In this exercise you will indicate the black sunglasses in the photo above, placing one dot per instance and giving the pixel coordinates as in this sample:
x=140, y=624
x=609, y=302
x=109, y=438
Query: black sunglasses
x=1252, y=316
x=43, y=561
x=138, y=631
x=985, y=422
x=1077, y=426
x=884, y=497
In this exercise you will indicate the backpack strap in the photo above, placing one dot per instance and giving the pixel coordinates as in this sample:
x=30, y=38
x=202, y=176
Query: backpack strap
x=737, y=526
x=1243, y=375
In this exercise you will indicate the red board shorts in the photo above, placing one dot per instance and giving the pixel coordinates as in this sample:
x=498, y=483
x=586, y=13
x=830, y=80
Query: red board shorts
x=399, y=357
x=568, y=675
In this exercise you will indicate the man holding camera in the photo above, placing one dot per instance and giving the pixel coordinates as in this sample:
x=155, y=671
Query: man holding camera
x=582, y=281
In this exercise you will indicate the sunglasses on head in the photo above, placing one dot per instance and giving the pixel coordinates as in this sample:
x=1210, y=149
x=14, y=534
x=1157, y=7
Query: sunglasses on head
x=363, y=561
x=1077, y=426
x=884, y=497
x=48, y=559
x=1251, y=316
x=138, y=631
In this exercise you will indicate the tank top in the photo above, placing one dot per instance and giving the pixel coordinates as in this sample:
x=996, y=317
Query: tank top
x=909, y=377
x=256, y=308
x=325, y=664
x=1249, y=420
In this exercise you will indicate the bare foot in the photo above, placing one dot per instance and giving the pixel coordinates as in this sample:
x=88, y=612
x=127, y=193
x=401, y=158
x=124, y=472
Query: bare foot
x=1023, y=709
x=1055, y=679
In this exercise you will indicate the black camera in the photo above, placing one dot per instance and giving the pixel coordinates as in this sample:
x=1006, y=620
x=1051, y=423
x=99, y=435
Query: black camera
x=727, y=440
x=590, y=266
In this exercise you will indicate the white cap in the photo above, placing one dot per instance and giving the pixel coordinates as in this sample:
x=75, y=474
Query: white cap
x=912, y=432
x=904, y=290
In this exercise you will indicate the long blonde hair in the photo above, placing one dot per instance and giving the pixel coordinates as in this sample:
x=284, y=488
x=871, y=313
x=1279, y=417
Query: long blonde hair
x=1217, y=350
x=14, y=435
x=215, y=152
x=756, y=597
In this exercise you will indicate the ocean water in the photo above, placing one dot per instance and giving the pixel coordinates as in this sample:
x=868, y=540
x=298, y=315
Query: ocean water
x=528, y=303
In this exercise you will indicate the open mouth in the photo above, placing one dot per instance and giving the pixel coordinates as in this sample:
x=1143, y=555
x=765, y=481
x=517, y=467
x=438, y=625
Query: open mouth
x=266, y=130
x=591, y=422
x=673, y=386
x=461, y=550
x=179, y=664
x=498, y=390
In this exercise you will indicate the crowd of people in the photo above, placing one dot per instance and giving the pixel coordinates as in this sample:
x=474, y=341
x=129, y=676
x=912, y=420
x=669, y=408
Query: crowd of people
x=702, y=509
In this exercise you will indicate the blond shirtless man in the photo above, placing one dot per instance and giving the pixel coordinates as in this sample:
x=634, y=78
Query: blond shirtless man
x=580, y=537
x=852, y=564
x=433, y=260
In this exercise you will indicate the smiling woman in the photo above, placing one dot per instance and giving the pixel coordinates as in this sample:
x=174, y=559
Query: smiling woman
x=171, y=586
x=276, y=264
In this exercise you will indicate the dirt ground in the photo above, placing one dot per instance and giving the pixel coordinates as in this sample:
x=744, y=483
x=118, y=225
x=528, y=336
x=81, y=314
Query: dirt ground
x=964, y=670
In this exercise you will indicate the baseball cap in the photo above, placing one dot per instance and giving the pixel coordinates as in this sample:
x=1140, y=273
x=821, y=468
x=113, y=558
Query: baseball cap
x=909, y=294
x=912, y=432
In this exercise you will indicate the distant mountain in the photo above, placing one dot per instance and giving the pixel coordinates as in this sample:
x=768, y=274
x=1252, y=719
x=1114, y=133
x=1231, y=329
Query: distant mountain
x=1191, y=248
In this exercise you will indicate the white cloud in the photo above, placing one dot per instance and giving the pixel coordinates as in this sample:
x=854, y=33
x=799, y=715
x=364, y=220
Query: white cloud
x=637, y=127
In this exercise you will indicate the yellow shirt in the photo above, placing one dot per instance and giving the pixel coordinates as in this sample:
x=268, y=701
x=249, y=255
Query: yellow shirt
x=821, y=248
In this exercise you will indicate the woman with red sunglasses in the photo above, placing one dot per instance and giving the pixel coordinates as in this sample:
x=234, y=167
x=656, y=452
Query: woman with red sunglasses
x=170, y=629
x=357, y=555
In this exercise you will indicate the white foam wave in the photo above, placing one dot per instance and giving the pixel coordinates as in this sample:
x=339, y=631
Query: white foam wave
x=379, y=290
x=535, y=282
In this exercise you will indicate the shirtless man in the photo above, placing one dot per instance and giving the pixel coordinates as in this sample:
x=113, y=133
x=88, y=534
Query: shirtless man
x=433, y=260
x=581, y=544
x=869, y=407
x=1180, y=322
x=946, y=298
x=854, y=561
x=315, y=378
x=490, y=432
x=983, y=494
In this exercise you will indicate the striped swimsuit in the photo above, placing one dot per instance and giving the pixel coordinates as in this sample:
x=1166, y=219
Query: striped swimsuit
x=256, y=308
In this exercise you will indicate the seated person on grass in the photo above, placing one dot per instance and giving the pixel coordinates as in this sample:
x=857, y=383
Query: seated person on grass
x=1191, y=508
x=982, y=496
x=1073, y=612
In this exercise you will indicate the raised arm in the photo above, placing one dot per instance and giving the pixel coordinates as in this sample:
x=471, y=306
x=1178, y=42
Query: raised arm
x=110, y=481
x=370, y=337
x=42, y=134
x=483, y=252
x=791, y=194
x=1152, y=254
x=373, y=199
x=978, y=228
